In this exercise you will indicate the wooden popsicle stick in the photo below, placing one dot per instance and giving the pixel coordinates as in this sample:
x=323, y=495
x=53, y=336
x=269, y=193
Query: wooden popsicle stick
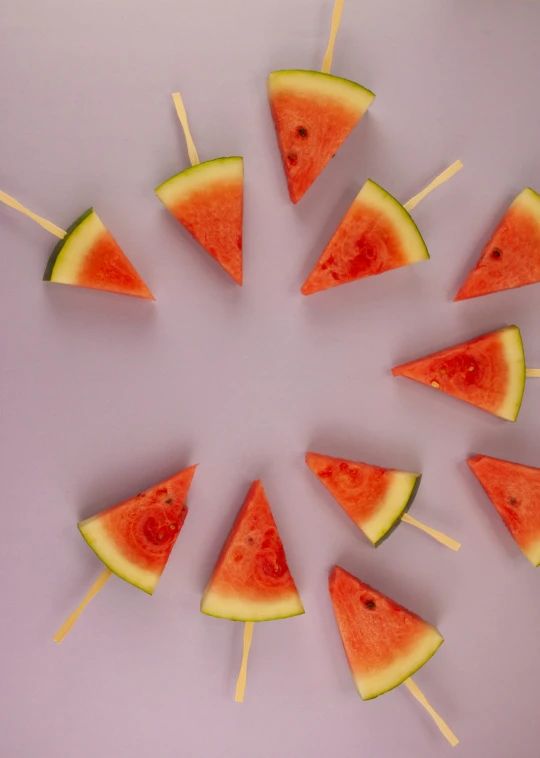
x=448, y=541
x=441, y=179
x=182, y=116
x=48, y=225
x=417, y=693
x=329, y=54
x=532, y=372
x=242, y=676
x=94, y=589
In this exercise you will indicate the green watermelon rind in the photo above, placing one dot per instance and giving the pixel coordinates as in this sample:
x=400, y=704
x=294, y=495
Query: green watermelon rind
x=520, y=376
x=401, y=678
x=534, y=192
x=105, y=558
x=47, y=276
x=322, y=77
x=407, y=218
x=407, y=504
x=195, y=170
x=209, y=609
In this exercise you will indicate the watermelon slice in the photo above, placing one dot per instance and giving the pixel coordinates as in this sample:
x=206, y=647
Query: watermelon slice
x=207, y=199
x=251, y=580
x=512, y=256
x=488, y=372
x=135, y=538
x=376, y=235
x=384, y=642
x=514, y=490
x=373, y=497
x=89, y=256
x=313, y=114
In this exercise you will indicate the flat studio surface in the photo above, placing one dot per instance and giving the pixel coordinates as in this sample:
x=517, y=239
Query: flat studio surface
x=103, y=395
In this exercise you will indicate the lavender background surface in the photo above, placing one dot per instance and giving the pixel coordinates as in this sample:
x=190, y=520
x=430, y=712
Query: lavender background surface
x=104, y=395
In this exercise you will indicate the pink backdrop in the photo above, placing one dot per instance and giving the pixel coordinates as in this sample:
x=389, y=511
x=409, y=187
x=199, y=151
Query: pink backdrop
x=104, y=395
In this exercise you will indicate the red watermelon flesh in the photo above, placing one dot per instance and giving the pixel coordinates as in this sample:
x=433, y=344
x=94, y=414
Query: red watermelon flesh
x=512, y=256
x=313, y=114
x=488, y=372
x=376, y=235
x=373, y=497
x=89, y=256
x=135, y=538
x=207, y=199
x=384, y=642
x=251, y=580
x=514, y=490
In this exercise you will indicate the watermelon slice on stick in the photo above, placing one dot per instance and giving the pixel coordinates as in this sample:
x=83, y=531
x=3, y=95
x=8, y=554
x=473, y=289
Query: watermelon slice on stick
x=511, y=258
x=251, y=580
x=488, y=372
x=207, y=199
x=377, y=234
x=374, y=498
x=134, y=539
x=314, y=112
x=87, y=255
x=514, y=490
x=385, y=644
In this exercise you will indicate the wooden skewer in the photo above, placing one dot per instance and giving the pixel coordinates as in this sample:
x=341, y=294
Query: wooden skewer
x=417, y=693
x=94, y=589
x=443, y=177
x=329, y=54
x=182, y=116
x=242, y=676
x=532, y=372
x=448, y=541
x=48, y=225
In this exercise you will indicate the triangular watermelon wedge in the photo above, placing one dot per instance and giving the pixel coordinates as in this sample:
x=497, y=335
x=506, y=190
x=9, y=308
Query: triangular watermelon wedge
x=376, y=235
x=511, y=258
x=207, y=199
x=488, y=372
x=313, y=114
x=251, y=580
x=514, y=490
x=384, y=642
x=135, y=538
x=89, y=256
x=373, y=497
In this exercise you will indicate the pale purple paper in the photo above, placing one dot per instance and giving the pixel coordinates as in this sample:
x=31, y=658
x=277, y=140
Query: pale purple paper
x=103, y=395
